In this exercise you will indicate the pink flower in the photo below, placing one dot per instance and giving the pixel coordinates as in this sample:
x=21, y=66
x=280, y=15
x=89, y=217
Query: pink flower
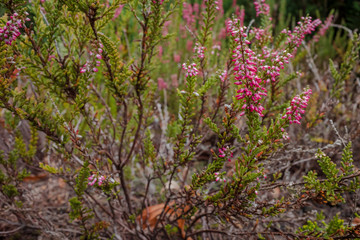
x=166, y=28
x=251, y=72
x=305, y=26
x=216, y=47
x=285, y=136
x=324, y=28
x=199, y=50
x=234, y=3
x=177, y=58
x=160, y=51
x=93, y=179
x=247, y=67
x=221, y=151
x=219, y=6
x=218, y=178
x=297, y=107
x=241, y=16
x=174, y=80
x=223, y=76
x=162, y=84
x=187, y=14
x=261, y=7
x=259, y=33
x=222, y=33
x=191, y=69
x=11, y=31
x=100, y=180
x=118, y=11
x=189, y=44
x=160, y=2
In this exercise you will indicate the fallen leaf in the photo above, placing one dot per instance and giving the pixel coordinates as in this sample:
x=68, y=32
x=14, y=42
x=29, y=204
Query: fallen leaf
x=150, y=215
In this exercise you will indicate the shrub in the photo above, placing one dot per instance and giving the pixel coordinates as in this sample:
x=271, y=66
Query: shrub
x=171, y=120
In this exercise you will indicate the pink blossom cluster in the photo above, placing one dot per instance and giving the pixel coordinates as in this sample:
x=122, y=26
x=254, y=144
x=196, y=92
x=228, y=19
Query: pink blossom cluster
x=258, y=32
x=162, y=84
x=218, y=178
x=89, y=66
x=216, y=4
x=258, y=179
x=261, y=7
x=190, y=69
x=222, y=33
x=324, y=27
x=223, y=152
x=261, y=34
x=216, y=47
x=199, y=50
x=252, y=69
x=118, y=11
x=177, y=58
x=223, y=76
x=285, y=136
x=277, y=59
x=19, y=69
x=305, y=26
x=160, y=2
x=11, y=30
x=189, y=45
x=241, y=15
x=188, y=13
x=229, y=25
x=166, y=26
x=161, y=51
x=246, y=70
x=297, y=107
x=93, y=179
x=174, y=80
x=220, y=7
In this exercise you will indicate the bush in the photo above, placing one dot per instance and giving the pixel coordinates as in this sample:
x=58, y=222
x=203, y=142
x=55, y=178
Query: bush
x=169, y=120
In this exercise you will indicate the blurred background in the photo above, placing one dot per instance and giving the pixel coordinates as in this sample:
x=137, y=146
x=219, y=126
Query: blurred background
x=347, y=12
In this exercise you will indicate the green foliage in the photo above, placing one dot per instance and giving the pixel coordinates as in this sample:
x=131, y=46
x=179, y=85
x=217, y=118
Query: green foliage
x=331, y=188
x=320, y=228
x=171, y=229
x=212, y=125
x=149, y=149
x=75, y=205
x=82, y=179
x=347, y=64
x=49, y=168
x=10, y=190
x=108, y=92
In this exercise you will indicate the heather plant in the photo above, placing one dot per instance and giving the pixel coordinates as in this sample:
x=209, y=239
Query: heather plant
x=170, y=120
